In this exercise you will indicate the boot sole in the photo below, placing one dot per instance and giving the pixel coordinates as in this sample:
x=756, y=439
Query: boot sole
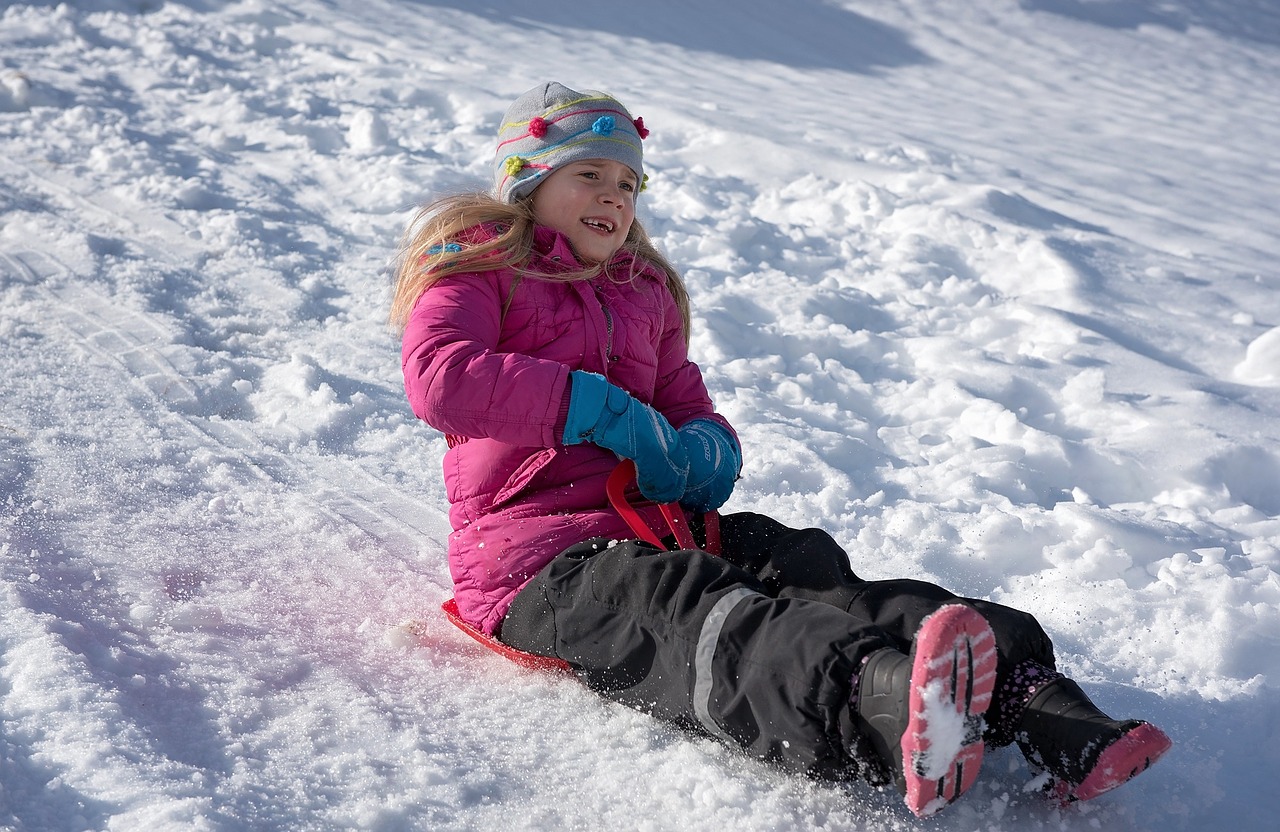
x=953, y=674
x=1130, y=755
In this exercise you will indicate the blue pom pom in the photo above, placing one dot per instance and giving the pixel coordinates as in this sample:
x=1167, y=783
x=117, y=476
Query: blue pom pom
x=603, y=125
x=450, y=247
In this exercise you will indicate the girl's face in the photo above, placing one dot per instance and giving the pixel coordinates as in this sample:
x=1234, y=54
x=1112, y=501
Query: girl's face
x=592, y=203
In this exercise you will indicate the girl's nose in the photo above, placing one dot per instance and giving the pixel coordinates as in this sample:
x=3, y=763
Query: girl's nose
x=614, y=195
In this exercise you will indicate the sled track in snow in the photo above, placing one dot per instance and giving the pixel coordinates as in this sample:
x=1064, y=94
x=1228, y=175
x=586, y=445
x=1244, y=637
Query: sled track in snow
x=121, y=336
x=133, y=341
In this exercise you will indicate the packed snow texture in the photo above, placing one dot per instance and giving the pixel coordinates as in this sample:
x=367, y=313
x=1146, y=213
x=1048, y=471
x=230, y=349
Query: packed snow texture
x=988, y=289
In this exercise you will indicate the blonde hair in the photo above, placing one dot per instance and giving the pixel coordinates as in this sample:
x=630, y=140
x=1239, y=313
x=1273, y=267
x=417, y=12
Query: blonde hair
x=435, y=246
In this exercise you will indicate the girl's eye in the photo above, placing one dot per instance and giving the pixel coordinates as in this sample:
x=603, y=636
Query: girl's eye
x=628, y=186
x=590, y=174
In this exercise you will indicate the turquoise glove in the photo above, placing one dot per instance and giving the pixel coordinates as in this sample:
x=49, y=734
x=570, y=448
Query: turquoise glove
x=714, y=463
x=606, y=415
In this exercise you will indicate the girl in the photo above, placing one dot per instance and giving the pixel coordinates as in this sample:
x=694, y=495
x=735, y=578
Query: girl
x=547, y=337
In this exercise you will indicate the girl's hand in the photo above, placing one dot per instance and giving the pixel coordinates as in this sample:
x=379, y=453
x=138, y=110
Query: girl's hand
x=608, y=416
x=714, y=463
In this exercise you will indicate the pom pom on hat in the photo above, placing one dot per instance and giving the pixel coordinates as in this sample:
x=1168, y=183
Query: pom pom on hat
x=551, y=125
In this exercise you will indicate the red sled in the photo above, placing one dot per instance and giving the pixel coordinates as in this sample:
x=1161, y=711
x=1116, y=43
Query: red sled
x=529, y=660
x=616, y=488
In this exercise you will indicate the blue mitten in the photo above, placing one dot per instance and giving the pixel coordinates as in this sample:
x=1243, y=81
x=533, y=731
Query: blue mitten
x=714, y=462
x=608, y=416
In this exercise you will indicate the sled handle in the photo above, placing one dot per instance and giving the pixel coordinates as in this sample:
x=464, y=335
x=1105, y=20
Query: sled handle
x=616, y=488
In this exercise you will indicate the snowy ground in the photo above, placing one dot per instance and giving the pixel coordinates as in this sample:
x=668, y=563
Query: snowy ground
x=989, y=289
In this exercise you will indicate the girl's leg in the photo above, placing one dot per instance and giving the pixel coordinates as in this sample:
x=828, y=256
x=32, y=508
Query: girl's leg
x=694, y=640
x=808, y=563
x=697, y=641
x=1056, y=725
x=1054, y=722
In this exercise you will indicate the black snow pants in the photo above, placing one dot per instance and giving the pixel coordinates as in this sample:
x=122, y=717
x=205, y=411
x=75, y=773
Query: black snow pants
x=757, y=647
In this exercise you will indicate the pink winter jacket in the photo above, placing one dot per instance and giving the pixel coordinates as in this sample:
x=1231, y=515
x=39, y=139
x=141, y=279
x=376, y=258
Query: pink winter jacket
x=487, y=357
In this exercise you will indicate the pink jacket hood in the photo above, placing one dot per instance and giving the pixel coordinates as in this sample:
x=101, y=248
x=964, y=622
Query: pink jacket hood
x=486, y=359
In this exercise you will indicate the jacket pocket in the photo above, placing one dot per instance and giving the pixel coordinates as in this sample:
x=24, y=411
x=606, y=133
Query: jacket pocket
x=520, y=478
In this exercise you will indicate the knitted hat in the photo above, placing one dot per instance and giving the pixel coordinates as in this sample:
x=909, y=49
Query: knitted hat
x=552, y=125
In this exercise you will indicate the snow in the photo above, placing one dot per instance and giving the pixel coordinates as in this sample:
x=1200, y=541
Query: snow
x=988, y=289
x=944, y=734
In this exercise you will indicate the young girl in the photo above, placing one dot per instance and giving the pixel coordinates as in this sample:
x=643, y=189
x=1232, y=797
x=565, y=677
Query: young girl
x=547, y=338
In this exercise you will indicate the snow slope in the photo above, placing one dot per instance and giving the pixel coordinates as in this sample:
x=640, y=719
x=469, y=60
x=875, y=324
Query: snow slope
x=988, y=289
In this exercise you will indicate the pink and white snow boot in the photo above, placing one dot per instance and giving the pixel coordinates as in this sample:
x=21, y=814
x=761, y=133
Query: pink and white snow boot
x=923, y=713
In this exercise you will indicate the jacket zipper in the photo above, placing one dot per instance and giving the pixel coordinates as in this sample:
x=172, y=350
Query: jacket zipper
x=608, y=341
x=608, y=336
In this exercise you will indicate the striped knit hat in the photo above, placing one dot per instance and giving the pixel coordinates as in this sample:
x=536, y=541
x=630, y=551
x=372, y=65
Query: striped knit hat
x=552, y=125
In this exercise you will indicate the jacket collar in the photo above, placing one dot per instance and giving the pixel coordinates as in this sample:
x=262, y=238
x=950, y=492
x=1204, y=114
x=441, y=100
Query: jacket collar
x=554, y=247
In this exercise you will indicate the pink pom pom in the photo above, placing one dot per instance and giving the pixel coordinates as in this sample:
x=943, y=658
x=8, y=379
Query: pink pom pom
x=640, y=128
x=537, y=127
